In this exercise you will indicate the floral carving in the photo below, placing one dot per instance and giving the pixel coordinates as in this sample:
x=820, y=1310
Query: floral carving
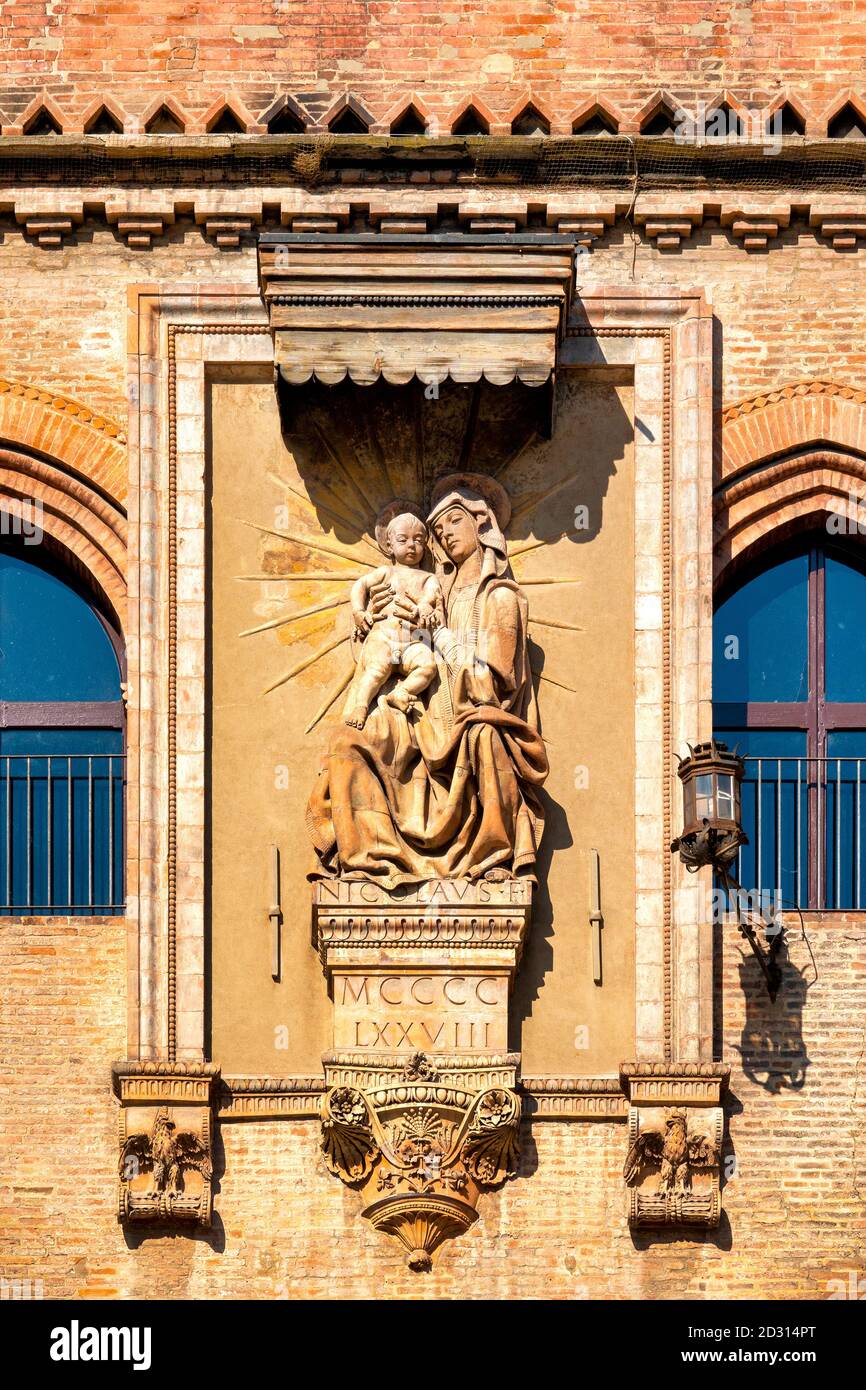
x=490, y=1149
x=430, y=1161
x=419, y=1142
x=347, y=1136
x=420, y=1068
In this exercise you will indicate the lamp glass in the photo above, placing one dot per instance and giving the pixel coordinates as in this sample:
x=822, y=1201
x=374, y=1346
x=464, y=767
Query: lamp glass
x=725, y=796
x=704, y=800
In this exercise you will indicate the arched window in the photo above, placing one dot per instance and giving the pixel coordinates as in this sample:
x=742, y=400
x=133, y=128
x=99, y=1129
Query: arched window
x=61, y=744
x=789, y=690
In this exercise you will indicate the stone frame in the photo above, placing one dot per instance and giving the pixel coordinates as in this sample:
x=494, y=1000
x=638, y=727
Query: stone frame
x=666, y=338
x=177, y=332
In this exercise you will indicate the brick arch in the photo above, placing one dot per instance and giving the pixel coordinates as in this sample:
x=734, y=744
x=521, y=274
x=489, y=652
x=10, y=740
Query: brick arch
x=807, y=490
x=87, y=443
x=790, y=459
x=803, y=415
x=57, y=453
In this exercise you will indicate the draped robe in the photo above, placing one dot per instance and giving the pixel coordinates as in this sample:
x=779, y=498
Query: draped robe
x=453, y=793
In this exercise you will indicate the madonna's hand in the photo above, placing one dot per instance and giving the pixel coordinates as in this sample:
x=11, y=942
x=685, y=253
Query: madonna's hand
x=379, y=596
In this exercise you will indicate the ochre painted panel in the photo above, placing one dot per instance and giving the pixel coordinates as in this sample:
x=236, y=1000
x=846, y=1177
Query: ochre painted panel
x=290, y=509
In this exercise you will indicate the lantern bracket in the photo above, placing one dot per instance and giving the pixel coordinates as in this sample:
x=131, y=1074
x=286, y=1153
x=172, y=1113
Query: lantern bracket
x=766, y=956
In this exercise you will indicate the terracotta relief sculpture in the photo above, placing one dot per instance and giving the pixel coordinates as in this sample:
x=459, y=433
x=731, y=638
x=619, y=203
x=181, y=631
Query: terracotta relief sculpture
x=165, y=1161
x=165, y=1153
x=675, y=1135
x=452, y=791
x=426, y=820
x=675, y=1153
x=391, y=646
x=421, y=1167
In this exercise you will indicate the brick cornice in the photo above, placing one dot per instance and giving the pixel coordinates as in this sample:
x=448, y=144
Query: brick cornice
x=53, y=215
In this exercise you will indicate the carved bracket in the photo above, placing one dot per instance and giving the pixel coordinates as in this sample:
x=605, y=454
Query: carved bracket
x=675, y=1134
x=421, y=1141
x=165, y=1166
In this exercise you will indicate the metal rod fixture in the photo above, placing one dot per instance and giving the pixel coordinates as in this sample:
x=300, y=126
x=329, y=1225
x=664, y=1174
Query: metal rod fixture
x=275, y=914
x=596, y=919
x=766, y=955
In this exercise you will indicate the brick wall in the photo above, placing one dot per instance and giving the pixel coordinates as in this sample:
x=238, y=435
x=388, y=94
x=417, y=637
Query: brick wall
x=443, y=49
x=79, y=346
x=777, y=322
x=794, y=1201
x=793, y=1208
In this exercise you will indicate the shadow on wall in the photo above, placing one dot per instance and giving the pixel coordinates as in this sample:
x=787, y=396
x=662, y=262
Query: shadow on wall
x=689, y=1247
x=772, y=1049
x=358, y=447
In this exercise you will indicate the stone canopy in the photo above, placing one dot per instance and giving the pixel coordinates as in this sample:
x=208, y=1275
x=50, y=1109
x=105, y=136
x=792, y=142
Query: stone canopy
x=431, y=307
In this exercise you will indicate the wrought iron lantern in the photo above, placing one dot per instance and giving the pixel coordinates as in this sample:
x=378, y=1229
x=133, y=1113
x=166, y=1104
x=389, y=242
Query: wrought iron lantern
x=712, y=834
x=712, y=828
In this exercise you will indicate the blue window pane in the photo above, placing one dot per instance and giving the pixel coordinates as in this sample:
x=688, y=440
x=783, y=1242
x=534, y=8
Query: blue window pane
x=844, y=831
x=52, y=645
x=845, y=619
x=760, y=637
x=60, y=741
x=774, y=792
x=61, y=814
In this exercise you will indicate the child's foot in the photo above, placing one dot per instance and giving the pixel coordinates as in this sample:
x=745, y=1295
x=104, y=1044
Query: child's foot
x=401, y=699
x=357, y=717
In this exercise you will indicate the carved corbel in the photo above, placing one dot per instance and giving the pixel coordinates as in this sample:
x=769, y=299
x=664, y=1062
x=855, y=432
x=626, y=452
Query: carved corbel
x=675, y=1135
x=165, y=1163
x=138, y=225
x=756, y=230
x=421, y=1149
x=669, y=229
x=844, y=230
x=227, y=230
x=49, y=231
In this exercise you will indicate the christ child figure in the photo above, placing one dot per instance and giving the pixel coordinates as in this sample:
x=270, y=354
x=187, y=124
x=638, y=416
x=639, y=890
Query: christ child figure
x=391, y=643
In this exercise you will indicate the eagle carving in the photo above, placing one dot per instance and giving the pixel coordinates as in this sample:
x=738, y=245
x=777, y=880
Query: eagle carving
x=675, y=1153
x=166, y=1151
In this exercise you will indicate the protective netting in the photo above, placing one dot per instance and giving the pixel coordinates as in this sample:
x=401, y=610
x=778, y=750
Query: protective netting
x=543, y=163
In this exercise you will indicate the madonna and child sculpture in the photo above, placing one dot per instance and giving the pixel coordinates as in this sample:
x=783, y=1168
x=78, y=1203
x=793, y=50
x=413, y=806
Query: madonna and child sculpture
x=439, y=778
x=426, y=820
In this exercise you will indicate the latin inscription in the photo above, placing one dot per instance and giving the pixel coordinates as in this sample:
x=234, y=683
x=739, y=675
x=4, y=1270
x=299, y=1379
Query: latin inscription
x=434, y=1012
x=437, y=893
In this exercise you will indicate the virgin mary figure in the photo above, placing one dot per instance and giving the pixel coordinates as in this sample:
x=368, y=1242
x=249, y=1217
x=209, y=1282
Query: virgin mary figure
x=452, y=792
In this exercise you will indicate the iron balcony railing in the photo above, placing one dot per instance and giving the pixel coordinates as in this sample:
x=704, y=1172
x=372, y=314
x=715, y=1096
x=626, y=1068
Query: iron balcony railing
x=807, y=838
x=62, y=834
